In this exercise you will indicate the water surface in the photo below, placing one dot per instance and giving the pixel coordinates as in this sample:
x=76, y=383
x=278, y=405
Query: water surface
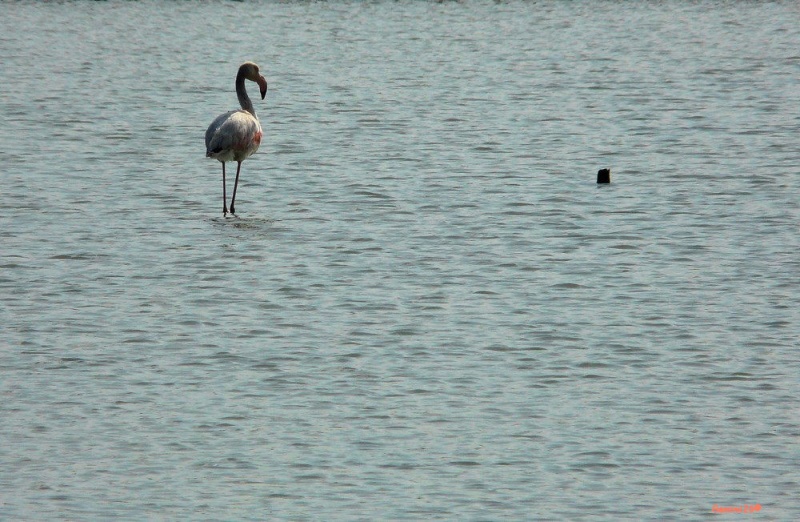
x=425, y=308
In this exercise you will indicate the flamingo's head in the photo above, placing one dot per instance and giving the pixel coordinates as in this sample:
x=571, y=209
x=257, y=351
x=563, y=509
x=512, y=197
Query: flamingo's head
x=250, y=71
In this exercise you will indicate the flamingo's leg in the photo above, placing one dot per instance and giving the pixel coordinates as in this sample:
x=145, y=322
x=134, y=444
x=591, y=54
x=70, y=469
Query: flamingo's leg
x=224, y=196
x=235, y=184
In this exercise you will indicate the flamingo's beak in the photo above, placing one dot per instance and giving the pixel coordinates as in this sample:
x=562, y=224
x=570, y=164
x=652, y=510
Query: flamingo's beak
x=262, y=84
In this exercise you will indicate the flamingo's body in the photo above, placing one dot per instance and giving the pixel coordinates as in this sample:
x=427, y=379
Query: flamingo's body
x=236, y=135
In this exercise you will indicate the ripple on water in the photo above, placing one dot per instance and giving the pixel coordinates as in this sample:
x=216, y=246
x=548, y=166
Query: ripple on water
x=426, y=307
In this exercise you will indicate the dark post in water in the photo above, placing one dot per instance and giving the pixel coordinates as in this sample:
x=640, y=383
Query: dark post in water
x=604, y=176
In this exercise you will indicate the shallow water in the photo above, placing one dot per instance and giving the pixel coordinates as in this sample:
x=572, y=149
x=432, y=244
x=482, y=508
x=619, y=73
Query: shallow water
x=425, y=307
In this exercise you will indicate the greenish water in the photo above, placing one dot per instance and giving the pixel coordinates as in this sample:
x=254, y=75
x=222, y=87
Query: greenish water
x=425, y=307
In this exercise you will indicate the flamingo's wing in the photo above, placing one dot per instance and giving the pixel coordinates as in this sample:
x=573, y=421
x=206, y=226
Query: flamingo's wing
x=235, y=132
x=211, y=132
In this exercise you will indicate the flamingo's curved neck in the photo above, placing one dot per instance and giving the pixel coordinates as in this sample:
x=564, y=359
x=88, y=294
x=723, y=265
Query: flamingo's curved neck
x=241, y=93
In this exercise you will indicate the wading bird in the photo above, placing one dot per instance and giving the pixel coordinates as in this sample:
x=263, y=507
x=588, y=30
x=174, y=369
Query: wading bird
x=236, y=135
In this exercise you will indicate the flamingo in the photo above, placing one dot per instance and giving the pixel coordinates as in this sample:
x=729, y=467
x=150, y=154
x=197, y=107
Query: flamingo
x=236, y=135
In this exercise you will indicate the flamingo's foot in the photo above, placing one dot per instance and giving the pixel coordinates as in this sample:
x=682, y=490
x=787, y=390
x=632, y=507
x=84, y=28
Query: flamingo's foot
x=232, y=211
